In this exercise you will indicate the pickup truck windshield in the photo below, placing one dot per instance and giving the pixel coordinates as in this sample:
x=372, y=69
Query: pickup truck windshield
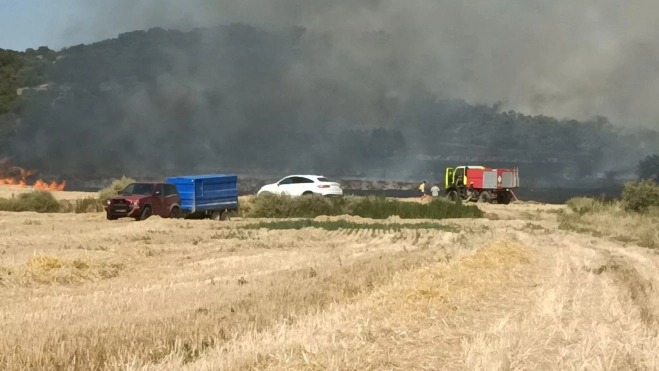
x=137, y=189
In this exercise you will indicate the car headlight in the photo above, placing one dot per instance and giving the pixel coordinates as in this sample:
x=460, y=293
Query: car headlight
x=108, y=202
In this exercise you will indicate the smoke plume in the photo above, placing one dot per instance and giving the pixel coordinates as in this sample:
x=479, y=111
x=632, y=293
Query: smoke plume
x=297, y=85
x=560, y=58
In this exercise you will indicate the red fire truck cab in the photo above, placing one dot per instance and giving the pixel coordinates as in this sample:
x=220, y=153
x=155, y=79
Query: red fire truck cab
x=478, y=183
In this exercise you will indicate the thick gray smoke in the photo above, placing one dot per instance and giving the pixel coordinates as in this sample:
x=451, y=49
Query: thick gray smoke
x=279, y=86
x=561, y=58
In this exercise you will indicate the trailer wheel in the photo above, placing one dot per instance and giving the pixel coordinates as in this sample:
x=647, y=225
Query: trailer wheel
x=485, y=197
x=452, y=195
x=219, y=215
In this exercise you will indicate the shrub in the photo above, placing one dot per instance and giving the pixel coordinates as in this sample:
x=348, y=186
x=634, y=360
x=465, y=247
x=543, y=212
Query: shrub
x=81, y=206
x=640, y=196
x=585, y=205
x=275, y=206
x=39, y=201
x=114, y=188
x=88, y=205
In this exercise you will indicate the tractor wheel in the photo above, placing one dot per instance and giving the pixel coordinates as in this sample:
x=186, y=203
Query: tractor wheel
x=485, y=197
x=452, y=196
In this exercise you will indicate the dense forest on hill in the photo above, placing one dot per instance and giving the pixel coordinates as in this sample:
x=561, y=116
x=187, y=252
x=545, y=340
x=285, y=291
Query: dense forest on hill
x=238, y=97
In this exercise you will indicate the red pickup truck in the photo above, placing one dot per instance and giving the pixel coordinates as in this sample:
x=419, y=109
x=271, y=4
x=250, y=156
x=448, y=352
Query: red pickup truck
x=142, y=200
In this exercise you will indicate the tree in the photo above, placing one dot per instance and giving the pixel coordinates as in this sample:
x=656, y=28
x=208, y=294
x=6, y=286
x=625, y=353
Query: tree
x=648, y=168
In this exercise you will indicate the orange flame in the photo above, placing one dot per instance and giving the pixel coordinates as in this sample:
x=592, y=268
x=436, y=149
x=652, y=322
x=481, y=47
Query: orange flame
x=53, y=186
x=17, y=177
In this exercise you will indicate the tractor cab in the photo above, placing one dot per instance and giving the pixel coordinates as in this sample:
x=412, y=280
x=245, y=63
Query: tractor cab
x=456, y=182
x=457, y=177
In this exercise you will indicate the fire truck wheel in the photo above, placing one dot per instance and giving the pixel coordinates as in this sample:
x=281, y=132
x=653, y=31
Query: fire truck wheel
x=485, y=197
x=452, y=195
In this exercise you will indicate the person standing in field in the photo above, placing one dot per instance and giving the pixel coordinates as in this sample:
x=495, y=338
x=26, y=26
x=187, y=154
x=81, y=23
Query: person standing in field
x=422, y=189
x=435, y=191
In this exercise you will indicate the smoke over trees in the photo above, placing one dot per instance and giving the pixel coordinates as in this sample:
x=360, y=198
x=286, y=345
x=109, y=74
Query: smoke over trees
x=342, y=86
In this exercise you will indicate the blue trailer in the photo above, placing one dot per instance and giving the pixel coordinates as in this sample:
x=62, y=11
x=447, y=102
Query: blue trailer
x=207, y=196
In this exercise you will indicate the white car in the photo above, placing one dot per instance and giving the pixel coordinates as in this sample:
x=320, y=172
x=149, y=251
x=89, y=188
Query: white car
x=298, y=185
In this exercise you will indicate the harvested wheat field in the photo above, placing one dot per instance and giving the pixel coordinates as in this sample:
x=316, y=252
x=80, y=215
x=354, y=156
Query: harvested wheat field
x=510, y=291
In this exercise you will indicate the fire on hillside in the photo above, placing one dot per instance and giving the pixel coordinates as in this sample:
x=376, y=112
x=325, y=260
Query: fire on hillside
x=18, y=177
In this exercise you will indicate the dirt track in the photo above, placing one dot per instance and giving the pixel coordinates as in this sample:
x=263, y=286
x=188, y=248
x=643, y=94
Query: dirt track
x=510, y=291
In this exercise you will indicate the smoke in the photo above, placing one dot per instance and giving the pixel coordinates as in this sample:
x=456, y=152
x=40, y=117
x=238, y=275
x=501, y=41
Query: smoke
x=286, y=85
x=560, y=58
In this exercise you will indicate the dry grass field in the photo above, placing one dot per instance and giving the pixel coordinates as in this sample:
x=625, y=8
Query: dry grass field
x=511, y=291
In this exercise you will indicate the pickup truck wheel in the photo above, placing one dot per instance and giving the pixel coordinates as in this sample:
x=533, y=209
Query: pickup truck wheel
x=175, y=213
x=146, y=213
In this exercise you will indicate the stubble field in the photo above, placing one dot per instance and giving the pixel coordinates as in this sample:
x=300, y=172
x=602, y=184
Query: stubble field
x=510, y=291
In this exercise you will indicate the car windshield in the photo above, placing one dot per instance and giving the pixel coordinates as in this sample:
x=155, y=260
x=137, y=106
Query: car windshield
x=323, y=179
x=143, y=189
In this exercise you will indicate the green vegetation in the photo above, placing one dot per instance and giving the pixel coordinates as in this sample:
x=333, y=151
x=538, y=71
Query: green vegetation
x=44, y=202
x=641, y=196
x=342, y=224
x=39, y=201
x=275, y=206
x=633, y=219
x=21, y=70
x=585, y=205
x=114, y=188
x=82, y=206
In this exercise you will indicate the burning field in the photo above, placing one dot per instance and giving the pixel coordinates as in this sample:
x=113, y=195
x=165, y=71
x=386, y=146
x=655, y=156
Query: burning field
x=513, y=290
x=21, y=178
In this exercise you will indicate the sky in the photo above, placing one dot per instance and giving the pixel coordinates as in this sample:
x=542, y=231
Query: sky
x=34, y=23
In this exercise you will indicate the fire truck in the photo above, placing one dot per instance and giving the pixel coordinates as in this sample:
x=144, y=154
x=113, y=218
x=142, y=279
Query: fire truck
x=481, y=184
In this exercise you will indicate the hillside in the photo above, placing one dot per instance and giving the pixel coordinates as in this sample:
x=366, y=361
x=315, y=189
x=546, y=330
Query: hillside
x=245, y=99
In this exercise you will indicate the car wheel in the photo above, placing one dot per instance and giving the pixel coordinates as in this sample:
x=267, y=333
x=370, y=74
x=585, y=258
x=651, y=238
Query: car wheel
x=307, y=193
x=146, y=213
x=175, y=213
x=109, y=216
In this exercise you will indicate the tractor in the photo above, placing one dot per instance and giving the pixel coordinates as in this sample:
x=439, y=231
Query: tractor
x=481, y=184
